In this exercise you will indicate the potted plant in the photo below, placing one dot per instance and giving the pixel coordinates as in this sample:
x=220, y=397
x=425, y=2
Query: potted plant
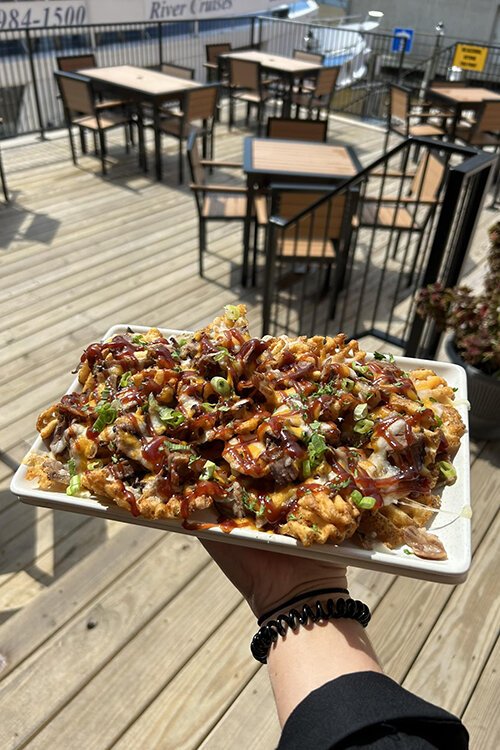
x=475, y=342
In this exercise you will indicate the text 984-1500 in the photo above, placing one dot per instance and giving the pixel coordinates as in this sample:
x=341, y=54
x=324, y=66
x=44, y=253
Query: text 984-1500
x=23, y=15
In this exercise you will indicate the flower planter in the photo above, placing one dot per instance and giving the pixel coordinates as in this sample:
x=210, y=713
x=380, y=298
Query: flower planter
x=484, y=396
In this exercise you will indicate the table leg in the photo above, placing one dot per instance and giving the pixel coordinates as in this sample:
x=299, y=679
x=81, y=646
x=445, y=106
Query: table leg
x=287, y=98
x=246, y=232
x=143, y=162
x=156, y=126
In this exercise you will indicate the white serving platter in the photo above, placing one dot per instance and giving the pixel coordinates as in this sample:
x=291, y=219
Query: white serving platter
x=452, y=525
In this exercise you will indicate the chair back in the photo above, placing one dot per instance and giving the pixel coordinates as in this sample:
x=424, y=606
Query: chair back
x=178, y=71
x=399, y=103
x=76, y=93
x=72, y=63
x=325, y=81
x=428, y=178
x=297, y=130
x=214, y=50
x=323, y=223
x=244, y=74
x=200, y=103
x=312, y=57
x=488, y=118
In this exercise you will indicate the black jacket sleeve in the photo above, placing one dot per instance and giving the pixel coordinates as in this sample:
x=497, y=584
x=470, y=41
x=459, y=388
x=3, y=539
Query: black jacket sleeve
x=369, y=710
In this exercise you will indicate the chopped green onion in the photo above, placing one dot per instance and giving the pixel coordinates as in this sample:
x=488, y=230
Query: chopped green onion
x=232, y=312
x=366, y=502
x=221, y=386
x=438, y=420
x=208, y=407
x=192, y=459
x=176, y=446
x=222, y=354
x=408, y=552
x=125, y=379
x=306, y=468
x=94, y=465
x=447, y=470
x=291, y=517
x=360, y=412
x=362, y=369
x=363, y=426
x=75, y=485
x=182, y=342
x=72, y=467
x=347, y=384
x=316, y=449
x=171, y=417
x=315, y=527
x=107, y=414
x=208, y=470
x=378, y=355
x=139, y=339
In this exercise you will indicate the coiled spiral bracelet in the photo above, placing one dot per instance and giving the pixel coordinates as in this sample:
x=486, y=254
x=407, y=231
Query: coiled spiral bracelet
x=335, y=609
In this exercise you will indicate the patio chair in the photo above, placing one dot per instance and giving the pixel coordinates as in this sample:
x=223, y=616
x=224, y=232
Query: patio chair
x=83, y=111
x=402, y=111
x=297, y=130
x=321, y=237
x=484, y=130
x=408, y=211
x=212, y=52
x=318, y=96
x=217, y=202
x=246, y=85
x=198, y=110
x=2, y=174
x=178, y=71
x=312, y=57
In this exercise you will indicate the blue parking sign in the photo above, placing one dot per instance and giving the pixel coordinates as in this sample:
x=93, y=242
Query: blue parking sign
x=402, y=36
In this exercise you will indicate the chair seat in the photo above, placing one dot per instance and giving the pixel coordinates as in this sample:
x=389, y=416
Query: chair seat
x=231, y=206
x=111, y=103
x=106, y=121
x=303, y=249
x=386, y=216
x=249, y=96
x=425, y=129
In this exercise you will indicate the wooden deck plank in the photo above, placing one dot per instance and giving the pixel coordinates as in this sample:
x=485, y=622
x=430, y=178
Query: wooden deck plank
x=143, y=668
x=183, y=713
x=480, y=716
x=452, y=658
x=52, y=608
x=44, y=682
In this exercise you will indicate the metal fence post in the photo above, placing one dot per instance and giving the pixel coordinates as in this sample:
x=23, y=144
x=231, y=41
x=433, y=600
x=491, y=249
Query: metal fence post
x=160, y=43
x=35, y=85
x=402, y=52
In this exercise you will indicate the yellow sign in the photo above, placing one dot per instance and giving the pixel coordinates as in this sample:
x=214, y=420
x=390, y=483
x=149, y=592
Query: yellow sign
x=470, y=57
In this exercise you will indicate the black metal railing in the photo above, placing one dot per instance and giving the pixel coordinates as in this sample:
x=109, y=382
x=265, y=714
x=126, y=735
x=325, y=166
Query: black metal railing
x=411, y=216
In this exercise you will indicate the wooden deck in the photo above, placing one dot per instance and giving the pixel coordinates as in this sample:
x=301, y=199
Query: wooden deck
x=118, y=636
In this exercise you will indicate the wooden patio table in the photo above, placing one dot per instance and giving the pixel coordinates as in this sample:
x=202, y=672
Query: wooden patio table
x=462, y=98
x=142, y=86
x=287, y=68
x=267, y=160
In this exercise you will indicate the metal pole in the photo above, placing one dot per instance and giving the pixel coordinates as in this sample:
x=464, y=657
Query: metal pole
x=35, y=86
x=402, y=53
x=160, y=44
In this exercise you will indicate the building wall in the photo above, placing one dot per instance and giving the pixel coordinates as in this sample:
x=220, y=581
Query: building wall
x=465, y=20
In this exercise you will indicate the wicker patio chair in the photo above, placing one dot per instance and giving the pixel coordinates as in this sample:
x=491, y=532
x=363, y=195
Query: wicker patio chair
x=218, y=202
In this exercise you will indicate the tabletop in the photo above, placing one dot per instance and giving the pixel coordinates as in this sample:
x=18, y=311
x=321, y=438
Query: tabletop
x=274, y=62
x=465, y=94
x=144, y=81
x=272, y=157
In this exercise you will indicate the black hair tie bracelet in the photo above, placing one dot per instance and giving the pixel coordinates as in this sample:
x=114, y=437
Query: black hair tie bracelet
x=351, y=609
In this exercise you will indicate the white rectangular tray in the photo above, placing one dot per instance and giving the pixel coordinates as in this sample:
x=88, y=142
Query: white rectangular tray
x=453, y=529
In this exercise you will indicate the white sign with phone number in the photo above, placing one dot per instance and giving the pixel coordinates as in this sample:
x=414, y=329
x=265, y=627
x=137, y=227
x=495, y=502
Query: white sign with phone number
x=39, y=13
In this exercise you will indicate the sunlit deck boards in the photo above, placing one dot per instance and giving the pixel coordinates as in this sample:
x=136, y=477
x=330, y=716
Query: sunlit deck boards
x=115, y=636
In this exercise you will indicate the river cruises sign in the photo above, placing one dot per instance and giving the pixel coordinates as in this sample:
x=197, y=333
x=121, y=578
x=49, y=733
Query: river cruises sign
x=22, y=14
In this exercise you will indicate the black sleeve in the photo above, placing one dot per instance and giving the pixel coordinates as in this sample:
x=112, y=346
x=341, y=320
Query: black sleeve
x=369, y=710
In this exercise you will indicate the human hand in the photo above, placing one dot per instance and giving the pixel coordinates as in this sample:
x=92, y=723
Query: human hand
x=266, y=579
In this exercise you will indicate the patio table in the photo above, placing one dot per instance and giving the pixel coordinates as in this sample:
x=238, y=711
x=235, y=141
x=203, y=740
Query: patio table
x=142, y=86
x=267, y=160
x=462, y=98
x=287, y=68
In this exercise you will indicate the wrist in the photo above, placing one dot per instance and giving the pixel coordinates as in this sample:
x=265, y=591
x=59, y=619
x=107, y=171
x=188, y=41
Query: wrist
x=262, y=602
